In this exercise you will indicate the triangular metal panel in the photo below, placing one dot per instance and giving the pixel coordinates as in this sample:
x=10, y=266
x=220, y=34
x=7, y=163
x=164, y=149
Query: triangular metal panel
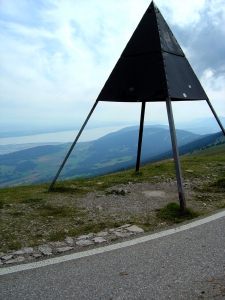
x=145, y=38
x=136, y=78
x=167, y=39
x=181, y=80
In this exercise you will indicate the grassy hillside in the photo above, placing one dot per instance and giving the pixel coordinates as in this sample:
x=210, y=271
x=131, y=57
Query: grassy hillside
x=113, y=152
x=30, y=215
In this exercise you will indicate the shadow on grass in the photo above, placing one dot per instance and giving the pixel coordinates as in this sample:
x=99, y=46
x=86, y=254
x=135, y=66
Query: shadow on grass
x=32, y=200
x=66, y=189
x=1, y=204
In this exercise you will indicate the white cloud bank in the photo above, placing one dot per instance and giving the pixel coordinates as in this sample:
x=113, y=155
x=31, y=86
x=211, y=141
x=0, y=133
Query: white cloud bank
x=56, y=55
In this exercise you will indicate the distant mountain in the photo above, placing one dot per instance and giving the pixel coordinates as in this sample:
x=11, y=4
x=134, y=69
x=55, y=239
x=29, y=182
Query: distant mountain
x=110, y=153
x=197, y=126
x=200, y=144
x=202, y=125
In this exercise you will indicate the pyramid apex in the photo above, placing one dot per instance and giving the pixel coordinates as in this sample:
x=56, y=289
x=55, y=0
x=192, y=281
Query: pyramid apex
x=153, y=5
x=152, y=67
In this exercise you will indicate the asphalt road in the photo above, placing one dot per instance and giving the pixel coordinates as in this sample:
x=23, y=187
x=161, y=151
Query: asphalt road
x=188, y=264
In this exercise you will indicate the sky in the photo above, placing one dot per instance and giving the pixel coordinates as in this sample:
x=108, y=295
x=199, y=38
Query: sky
x=55, y=56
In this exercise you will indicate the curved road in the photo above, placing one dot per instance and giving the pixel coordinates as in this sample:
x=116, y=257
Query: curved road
x=187, y=262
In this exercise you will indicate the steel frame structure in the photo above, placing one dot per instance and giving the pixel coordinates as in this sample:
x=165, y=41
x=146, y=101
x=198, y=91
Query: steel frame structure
x=151, y=68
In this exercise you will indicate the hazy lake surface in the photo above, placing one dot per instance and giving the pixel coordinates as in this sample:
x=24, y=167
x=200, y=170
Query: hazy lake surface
x=62, y=137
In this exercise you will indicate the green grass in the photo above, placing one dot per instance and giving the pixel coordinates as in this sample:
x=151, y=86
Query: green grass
x=15, y=246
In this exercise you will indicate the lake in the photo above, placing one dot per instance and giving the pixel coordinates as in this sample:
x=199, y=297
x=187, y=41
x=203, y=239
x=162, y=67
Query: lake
x=62, y=137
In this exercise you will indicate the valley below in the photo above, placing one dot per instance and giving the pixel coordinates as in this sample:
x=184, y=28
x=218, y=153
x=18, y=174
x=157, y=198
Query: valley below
x=111, y=153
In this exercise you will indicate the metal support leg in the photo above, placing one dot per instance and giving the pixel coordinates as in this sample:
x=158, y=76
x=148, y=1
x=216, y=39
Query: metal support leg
x=140, y=136
x=176, y=156
x=71, y=148
x=215, y=115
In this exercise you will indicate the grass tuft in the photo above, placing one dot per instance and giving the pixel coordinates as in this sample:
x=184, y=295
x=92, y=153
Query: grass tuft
x=220, y=206
x=15, y=246
x=32, y=200
x=137, y=173
x=219, y=183
x=172, y=213
x=1, y=204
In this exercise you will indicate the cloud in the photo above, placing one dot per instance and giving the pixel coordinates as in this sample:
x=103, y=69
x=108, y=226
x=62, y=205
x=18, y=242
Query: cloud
x=55, y=56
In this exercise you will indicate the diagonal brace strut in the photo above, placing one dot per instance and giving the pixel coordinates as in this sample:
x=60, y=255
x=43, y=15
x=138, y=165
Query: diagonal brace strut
x=176, y=157
x=72, y=146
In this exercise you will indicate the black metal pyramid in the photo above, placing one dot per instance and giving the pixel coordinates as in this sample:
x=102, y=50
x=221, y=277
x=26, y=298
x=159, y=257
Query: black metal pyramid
x=152, y=66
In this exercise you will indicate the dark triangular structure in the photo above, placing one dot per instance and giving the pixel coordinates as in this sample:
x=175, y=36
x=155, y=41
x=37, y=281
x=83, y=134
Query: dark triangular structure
x=152, y=68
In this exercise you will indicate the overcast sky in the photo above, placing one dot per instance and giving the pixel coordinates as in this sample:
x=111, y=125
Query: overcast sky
x=55, y=56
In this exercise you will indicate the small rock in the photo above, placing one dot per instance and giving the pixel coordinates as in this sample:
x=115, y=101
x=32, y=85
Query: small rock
x=124, y=226
x=30, y=257
x=58, y=244
x=36, y=255
x=90, y=235
x=19, y=252
x=135, y=229
x=66, y=231
x=69, y=240
x=161, y=224
x=83, y=237
x=84, y=243
x=102, y=233
x=122, y=234
x=99, y=207
x=28, y=250
x=45, y=250
x=16, y=260
x=6, y=257
x=99, y=240
x=64, y=249
x=190, y=171
x=120, y=191
x=111, y=230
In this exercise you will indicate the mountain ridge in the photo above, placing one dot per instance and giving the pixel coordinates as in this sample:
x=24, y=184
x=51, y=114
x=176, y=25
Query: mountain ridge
x=110, y=153
x=199, y=126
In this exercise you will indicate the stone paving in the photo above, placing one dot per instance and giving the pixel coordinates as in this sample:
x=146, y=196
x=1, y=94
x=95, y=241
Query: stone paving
x=70, y=243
